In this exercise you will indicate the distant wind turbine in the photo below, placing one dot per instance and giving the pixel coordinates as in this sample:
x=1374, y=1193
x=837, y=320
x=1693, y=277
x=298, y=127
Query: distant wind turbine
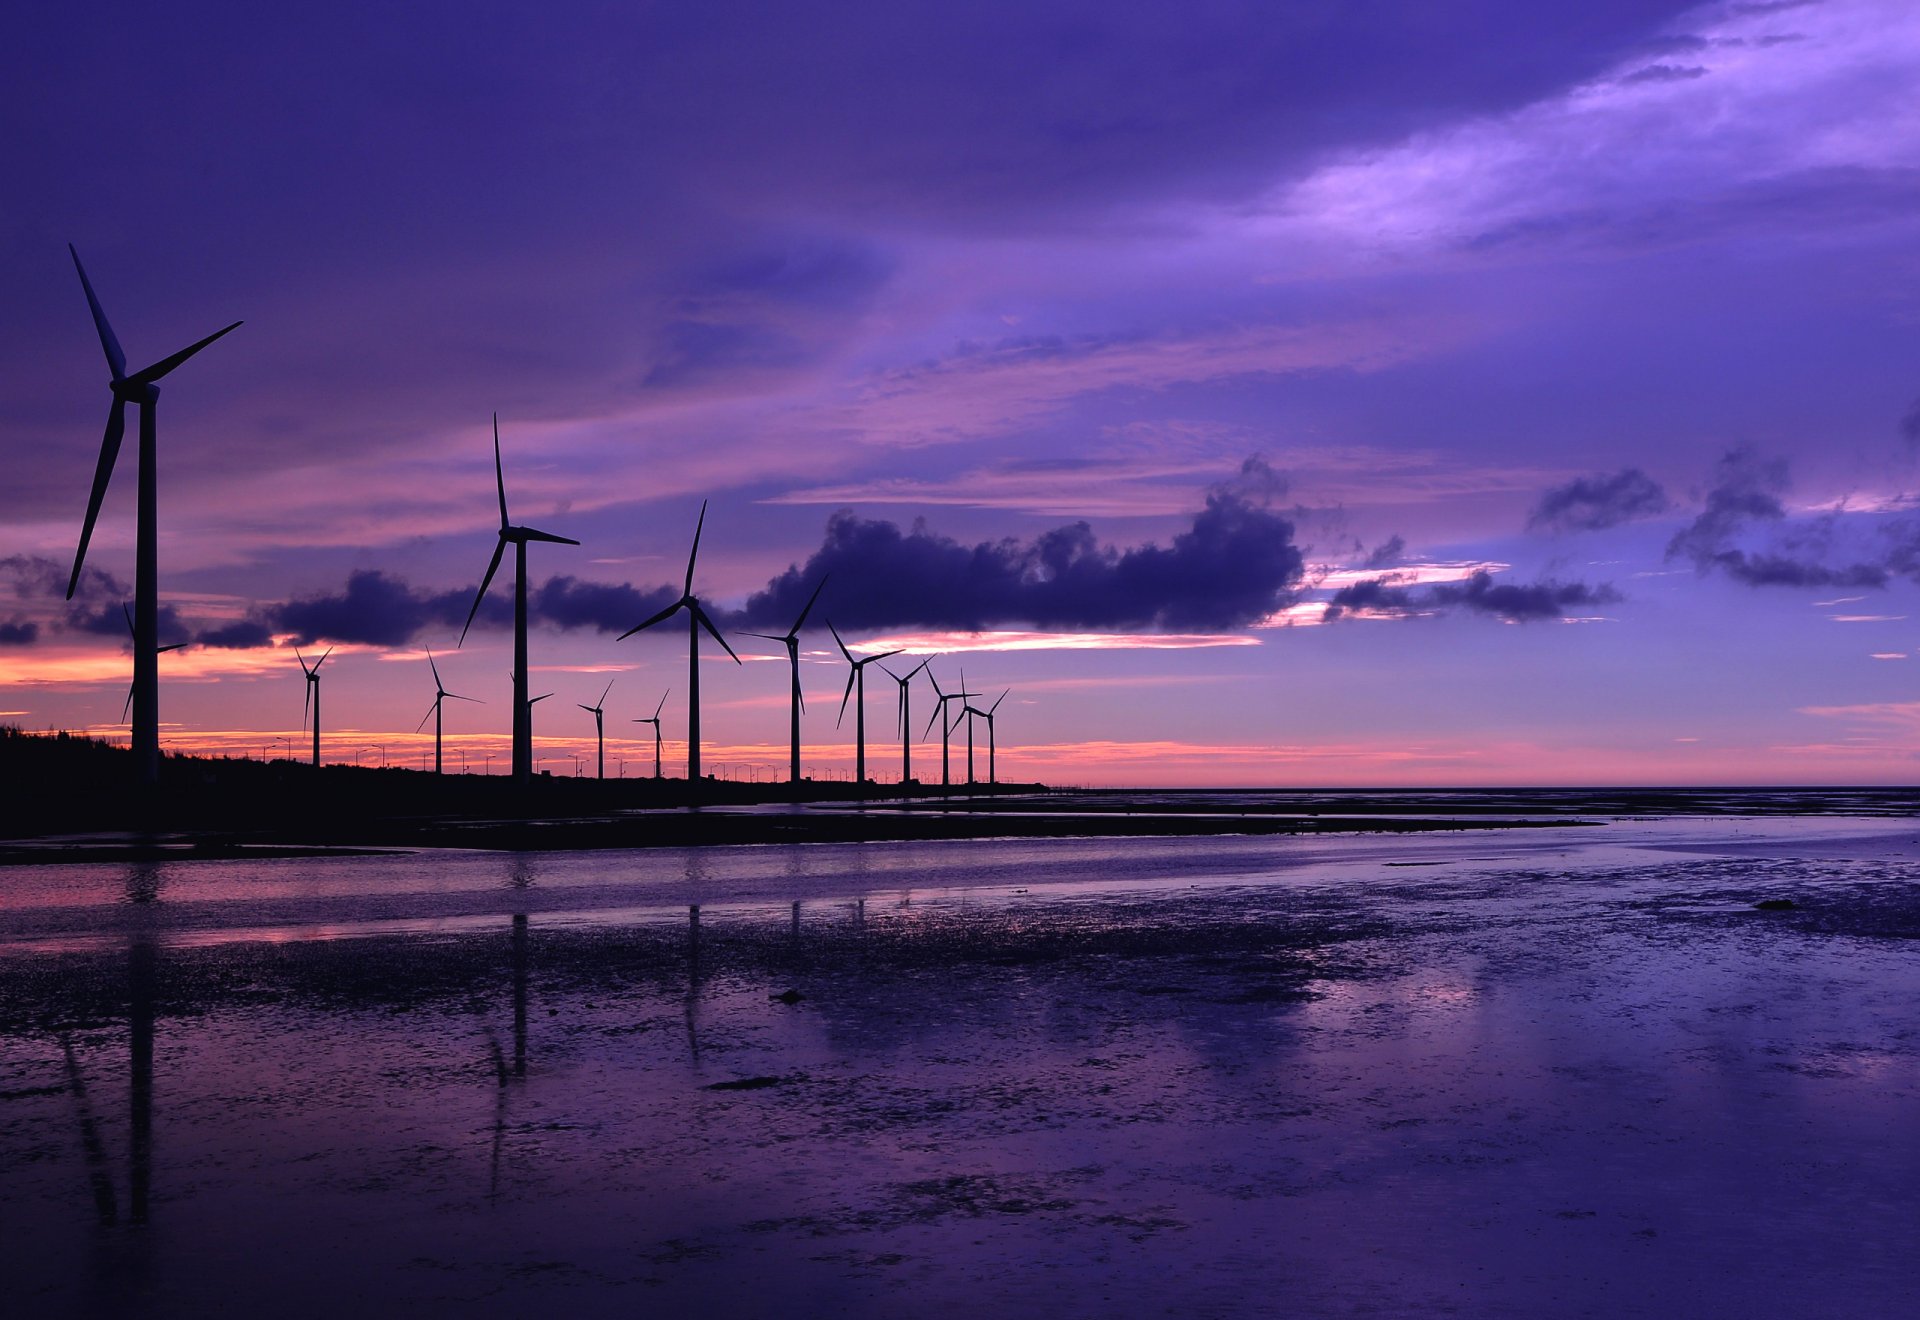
x=518, y=537
x=696, y=620
x=654, y=720
x=946, y=728
x=791, y=640
x=139, y=388
x=598, y=711
x=856, y=677
x=440, y=694
x=312, y=671
x=904, y=717
x=128, y=615
x=993, y=776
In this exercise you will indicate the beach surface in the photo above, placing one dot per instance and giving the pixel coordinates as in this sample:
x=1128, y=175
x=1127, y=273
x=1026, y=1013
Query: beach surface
x=1565, y=1070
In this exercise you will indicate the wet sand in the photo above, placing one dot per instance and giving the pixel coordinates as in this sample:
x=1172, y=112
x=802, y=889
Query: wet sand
x=1546, y=1072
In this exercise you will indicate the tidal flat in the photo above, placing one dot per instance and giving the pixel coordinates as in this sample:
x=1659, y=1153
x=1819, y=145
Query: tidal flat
x=1554, y=1071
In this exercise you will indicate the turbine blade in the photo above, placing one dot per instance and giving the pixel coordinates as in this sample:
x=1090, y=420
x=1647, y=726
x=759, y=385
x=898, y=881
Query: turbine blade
x=665, y=614
x=663, y=703
x=438, y=685
x=844, y=696
x=166, y=364
x=842, y=645
x=603, y=695
x=302, y=659
x=996, y=704
x=102, y=473
x=922, y=665
x=531, y=534
x=801, y=622
x=457, y=697
x=111, y=346
x=499, y=549
x=128, y=705
x=882, y=656
x=536, y=700
x=588, y=709
x=693, y=554
x=429, y=715
x=939, y=710
x=177, y=646
x=707, y=623
x=306, y=702
x=322, y=660
x=127, y=614
x=499, y=476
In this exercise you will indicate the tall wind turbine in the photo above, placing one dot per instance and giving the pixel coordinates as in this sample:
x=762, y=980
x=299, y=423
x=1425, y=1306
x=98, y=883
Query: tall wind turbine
x=312, y=671
x=139, y=388
x=946, y=728
x=440, y=694
x=904, y=716
x=598, y=711
x=654, y=720
x=856, y=676
x=518, y=536
x=791, y=640
x=696, y=620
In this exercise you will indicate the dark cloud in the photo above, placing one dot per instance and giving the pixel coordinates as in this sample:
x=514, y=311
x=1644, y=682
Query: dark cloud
x=1479, y=594
x=1743, y=505
x=1591, y=504
x=240, y=635
x=1235, y=564
x=1390, y=553
x=19, y=631
x=379, y=610
x=1910, y=424
x=99, y=605
x=567, y=602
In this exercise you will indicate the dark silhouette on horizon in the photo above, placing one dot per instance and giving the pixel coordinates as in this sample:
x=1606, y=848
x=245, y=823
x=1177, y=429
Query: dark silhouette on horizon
x=903, y=717
x=598, y=711
x=946, y=726
x=313, y=695
x=518, y=538
x=139, y=388
x=857, y=678
x=654, y=720
x=696, y=620
x=791, y=640
x=440, y=694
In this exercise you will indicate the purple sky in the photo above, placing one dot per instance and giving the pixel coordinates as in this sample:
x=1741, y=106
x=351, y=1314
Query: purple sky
x=1576, y=357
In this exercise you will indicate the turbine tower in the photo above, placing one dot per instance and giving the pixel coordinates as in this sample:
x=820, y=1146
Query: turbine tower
x=904, y=717
x=946, y=729
x=654, y=720
x=696, y=620
x=139, y=388
x=791, y=640
x=858, y=675
x=518, y=536
x=598, y=711
x=313, y=695
x=440, y=694
x=127, y=706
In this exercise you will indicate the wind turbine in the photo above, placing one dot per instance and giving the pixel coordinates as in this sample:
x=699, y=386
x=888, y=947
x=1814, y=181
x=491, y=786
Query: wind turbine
x=313, y=695
x=696, y=620
x=904, y=717
x=518, y=536
x=858, y=675
x=528, y=709
x=654, y=720
x=599, y=726
x=946, y=729
x=139, y=388
x=440, y=694
x=162, y=650
x=791, y=640
x=993, y=777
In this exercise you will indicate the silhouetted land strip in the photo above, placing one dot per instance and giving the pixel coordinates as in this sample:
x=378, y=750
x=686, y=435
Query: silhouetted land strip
x=71, y=798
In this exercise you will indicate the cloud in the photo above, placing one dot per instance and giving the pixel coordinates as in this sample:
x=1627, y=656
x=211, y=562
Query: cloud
x=18, y=631
x=1592, y=504
x=1390, y=553
x=99, y=604
x=378, y=610
x=1910, y=424
x=1479, y=593
x=1237, y=563
x=1743, y=501
x=240, y=635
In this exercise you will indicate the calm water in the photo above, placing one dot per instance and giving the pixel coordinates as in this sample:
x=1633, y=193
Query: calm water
x=1517, y=1073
